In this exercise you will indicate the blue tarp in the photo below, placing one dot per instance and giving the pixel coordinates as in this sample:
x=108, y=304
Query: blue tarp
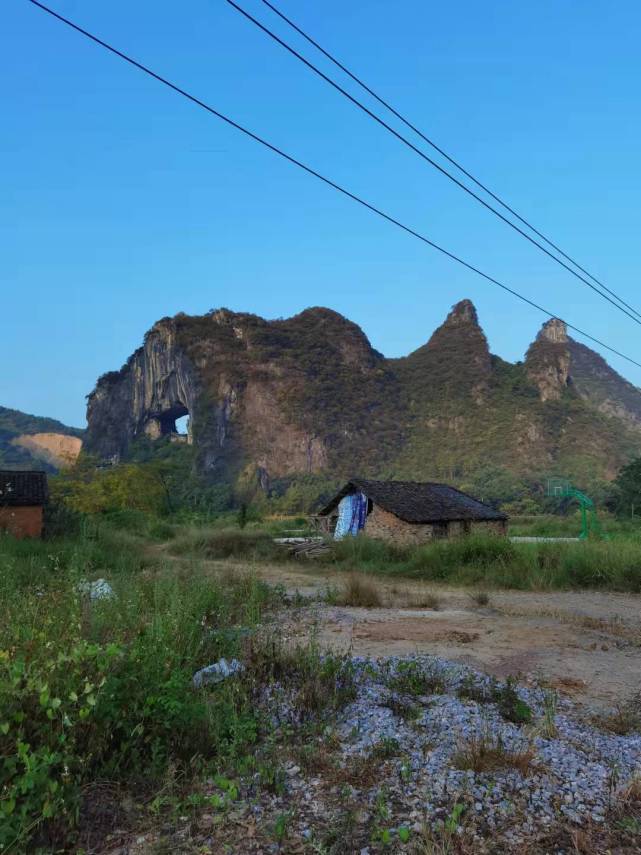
x=352, y=513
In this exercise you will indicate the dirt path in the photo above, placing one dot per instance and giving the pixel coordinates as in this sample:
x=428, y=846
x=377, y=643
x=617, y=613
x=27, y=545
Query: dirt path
x=586, y=644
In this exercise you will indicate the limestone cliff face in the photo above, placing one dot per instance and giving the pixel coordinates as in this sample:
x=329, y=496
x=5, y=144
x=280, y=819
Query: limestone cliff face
x=258, y=393
x=555, y=362
x=309, y=394
x=548, y=360
x=157, y=385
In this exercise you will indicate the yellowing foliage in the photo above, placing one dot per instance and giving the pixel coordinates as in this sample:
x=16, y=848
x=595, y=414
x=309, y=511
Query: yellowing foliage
x=129, y=486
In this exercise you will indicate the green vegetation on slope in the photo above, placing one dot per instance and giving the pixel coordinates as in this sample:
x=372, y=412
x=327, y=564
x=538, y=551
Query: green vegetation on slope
x=15, y=423
x=321, y=369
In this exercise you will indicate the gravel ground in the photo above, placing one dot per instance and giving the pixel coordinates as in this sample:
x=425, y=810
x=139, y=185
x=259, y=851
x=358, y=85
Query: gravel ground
x=574, y=772
x=429, y=757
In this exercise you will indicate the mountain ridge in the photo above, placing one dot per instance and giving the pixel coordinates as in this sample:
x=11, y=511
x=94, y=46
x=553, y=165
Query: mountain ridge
x=36, y=442
x=309, y=394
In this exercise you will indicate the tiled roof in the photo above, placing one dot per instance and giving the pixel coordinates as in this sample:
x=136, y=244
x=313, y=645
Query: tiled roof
x=22, y=488
x=417, y=502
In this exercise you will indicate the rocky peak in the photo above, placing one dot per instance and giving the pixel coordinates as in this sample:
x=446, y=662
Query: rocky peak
x=547, y=360
x=555, y=331
x=344, y=340
x=456, y=361
x=462, y=331
x=464, y=312
x=222, y=317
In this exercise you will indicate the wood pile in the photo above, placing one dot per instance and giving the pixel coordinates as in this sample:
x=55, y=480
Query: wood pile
x=308, y=547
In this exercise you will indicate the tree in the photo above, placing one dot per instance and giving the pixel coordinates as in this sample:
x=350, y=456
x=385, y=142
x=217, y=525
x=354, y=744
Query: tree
x=88, y=489
x=627, y=493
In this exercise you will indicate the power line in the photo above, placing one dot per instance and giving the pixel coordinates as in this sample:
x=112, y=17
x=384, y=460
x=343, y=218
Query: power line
x=429, y=160
x=318, y=175
x=440, y=150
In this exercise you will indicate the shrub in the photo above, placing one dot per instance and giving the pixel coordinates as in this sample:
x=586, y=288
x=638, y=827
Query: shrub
x=361, y=592
x=161, y=531
x=480, y=598
x=86, y=489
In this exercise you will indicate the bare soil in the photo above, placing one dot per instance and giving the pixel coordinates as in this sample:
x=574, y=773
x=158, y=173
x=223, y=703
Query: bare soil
x=586, y=644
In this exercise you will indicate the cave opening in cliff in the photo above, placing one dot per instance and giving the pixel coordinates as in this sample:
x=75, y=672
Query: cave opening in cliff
x=175, y=421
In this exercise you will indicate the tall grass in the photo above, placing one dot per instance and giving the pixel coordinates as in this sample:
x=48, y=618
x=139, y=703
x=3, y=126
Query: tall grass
x=497, y=562
x=554, y=525
x=215, y=543
x=478, y=560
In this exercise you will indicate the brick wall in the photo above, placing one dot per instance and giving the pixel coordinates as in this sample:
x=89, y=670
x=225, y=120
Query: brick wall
x=386, y=526
x=22, y=522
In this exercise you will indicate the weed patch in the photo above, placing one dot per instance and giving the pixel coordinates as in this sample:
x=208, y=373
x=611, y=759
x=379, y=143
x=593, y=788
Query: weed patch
x=359, y=591
x=511, y=707
x=485, y=753
x=624, y=719
x=228, y=543
x=428, y=600
x=412, y=678
x=403, y=708
x=101, y=690
x=315, y=684
x=480, y=598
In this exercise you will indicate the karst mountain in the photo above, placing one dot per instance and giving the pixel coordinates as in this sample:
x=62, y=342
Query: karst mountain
x=309, y=394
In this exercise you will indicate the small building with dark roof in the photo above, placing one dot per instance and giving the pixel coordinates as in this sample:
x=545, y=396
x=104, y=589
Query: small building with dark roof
x=413, y=512
x=23, y=495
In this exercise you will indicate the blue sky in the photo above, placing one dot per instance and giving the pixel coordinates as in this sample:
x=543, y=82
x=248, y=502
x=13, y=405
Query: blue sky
x=121, y=203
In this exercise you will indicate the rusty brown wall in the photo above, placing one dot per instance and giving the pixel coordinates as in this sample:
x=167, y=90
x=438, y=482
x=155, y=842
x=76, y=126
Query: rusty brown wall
x=22, y=522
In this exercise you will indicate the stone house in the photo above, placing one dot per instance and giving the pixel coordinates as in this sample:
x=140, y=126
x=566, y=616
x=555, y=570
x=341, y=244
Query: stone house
x=23, y=495
x=410, y=512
